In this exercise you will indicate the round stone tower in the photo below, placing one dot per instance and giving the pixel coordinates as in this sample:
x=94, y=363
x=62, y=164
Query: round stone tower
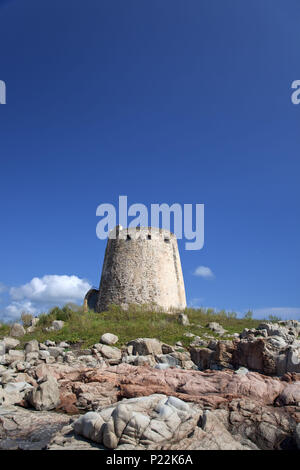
x=141, y=266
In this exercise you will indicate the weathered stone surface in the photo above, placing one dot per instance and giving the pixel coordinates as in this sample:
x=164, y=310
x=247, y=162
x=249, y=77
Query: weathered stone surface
x=12, y=356
x=17, y=330
x=144, y=346
x=10, y=398
x=147, y=422
x=44, y=355
x=32, y=346
x=109, y=338
x=242, y=412
x=287, y=333
x=55, y=351
x=142, y=266
x=273, y=350
x=17, y=387
x=165, y=423
x=46, y=396
x=290, y=395
x=102, y=386
x=112, y=354
x=22, y=429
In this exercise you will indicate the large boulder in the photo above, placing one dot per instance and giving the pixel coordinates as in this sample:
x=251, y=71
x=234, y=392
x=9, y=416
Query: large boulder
x=10, y=343
x=17, y=330
x=46, y=396
x=147, y=422
x=145, y=346
x=112, y=354
x=13, y=356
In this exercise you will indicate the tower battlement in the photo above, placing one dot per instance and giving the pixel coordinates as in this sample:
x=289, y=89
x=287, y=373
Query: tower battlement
x=141, y=233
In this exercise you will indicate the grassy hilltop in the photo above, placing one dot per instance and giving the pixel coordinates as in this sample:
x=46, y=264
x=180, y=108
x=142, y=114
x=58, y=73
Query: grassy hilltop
x=86, y=329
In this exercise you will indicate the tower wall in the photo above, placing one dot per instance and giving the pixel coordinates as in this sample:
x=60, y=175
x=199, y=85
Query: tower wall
x=142, y=266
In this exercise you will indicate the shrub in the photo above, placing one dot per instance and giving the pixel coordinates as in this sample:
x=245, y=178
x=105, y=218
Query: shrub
x=248, y=315
x=274, y=318
x=26, y=319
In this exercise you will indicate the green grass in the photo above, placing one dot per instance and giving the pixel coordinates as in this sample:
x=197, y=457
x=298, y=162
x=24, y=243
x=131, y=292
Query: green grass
x=4, y=330
x=87, y=328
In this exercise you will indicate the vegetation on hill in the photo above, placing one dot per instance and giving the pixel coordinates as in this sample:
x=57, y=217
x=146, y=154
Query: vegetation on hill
x=85, y=329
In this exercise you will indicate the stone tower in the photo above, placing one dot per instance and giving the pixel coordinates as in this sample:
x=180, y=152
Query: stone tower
x=141, y=266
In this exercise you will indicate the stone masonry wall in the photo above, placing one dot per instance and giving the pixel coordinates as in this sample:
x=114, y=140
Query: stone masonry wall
x=142, y=266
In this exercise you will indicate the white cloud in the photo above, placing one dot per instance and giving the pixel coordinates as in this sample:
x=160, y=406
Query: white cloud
x=14, y=310
x=40, y=294
x=286, y=313
x=52, y=288
x=204, y=271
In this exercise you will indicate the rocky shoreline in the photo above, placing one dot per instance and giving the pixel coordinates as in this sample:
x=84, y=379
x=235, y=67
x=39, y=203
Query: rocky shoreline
x=240, y=394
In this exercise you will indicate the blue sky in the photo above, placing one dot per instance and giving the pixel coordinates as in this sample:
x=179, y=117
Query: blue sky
x=172, y=101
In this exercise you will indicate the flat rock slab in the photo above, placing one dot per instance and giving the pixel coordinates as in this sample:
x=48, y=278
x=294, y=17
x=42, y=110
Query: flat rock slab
x=27, y=429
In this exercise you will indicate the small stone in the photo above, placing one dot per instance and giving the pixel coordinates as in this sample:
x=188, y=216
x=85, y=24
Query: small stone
x=216, y=328
x=162, y=366
x=109, y=338
x=58, y=324
x=241, y=371
x=167, y=359
x=55, y=351
x=30, y=329
x=183, y=319
x=32, y=356
x=189, y=335
x=167, y=349
x=63, y=344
